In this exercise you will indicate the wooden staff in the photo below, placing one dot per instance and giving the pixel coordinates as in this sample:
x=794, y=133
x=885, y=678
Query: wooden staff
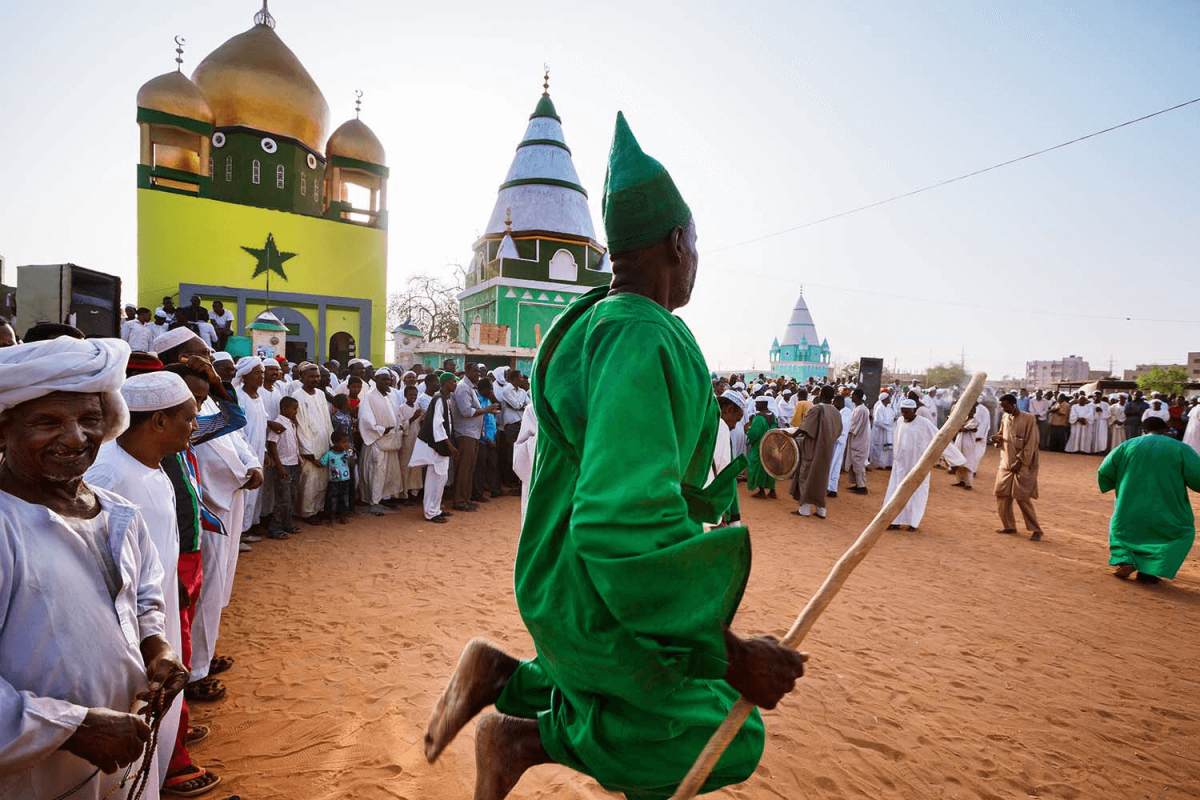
x=833, y=584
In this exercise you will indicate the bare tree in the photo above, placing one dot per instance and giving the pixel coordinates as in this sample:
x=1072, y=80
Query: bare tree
x=431, y=303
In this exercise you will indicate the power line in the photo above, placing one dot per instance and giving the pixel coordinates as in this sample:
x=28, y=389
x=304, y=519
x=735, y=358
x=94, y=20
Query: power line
x=940, y=184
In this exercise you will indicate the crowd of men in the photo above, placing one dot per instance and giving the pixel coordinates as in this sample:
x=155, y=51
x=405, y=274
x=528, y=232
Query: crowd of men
x=160, y=466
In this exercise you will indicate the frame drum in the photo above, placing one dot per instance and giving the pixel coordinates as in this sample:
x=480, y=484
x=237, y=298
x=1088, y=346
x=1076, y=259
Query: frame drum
x=779, y=453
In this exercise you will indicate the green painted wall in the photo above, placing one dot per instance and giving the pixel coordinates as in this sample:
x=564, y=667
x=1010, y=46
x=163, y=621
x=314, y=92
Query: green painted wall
x=233, y=174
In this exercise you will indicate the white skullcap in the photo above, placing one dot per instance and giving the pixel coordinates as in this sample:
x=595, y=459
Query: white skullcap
x=155, y=391
x=739, y=385
x=172, y=339
x=735, y=398
x=883, y=395
x=221, y=356
x=908, y=403
x=384, y=371
x=66, y=364
x=407, y=373
x=362, y=361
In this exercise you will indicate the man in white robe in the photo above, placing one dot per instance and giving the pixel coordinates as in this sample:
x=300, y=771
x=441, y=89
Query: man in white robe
x=84, y=632
x=913, y=435
x=839, y=448
x=383, y=438
x=883, y=423
x=1100, y=425
x=786, y=408
x=1083, y=414
x=972, y=442
x=1158, y=408
x=737, y=436
x=1191, y=436
x=1116, y=422
x=410, y=416
x=248, y=381
x=314, y=426
x=163, y=415
x=437, y=466
x=227, y=468
x=523, y=453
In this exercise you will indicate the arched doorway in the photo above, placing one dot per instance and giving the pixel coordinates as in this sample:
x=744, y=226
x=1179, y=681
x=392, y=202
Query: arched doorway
x=342, y=348
x=301, y=337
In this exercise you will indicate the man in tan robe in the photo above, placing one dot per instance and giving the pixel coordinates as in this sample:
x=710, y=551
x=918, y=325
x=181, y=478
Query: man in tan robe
x=1017, y=477
x=819, y=430
x=858, y=442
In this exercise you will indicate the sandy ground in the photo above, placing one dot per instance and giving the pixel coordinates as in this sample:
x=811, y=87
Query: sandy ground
x=957, y=663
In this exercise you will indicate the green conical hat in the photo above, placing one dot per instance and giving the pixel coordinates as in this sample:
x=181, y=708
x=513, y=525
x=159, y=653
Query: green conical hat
x=641, y=204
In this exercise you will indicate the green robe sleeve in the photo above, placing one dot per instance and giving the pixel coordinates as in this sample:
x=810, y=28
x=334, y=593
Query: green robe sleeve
x=1109, y=470
x=1191, y=468
x=671, y=585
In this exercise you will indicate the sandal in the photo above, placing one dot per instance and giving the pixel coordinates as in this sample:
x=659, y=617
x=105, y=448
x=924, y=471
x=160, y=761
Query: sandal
x=219, y=664
x=193, y=781
x=206, y=690
x=197, y=734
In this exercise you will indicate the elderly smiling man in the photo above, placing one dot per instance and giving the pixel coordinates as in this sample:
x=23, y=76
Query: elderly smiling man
x=81, y=606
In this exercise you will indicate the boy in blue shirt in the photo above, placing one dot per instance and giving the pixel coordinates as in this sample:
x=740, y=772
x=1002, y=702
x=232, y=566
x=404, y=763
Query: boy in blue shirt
x=339, y=461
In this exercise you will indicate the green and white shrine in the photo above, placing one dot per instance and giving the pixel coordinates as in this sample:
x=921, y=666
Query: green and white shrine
x=802, y=354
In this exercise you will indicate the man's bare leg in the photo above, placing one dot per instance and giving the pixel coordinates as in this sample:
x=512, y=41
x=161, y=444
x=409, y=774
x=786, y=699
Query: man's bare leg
x=483, y=670
x=504, y=748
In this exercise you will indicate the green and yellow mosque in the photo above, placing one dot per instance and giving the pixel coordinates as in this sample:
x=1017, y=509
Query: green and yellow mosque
x=240, y=183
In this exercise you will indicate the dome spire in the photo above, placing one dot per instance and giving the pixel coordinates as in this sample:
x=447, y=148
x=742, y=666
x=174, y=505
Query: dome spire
x=263, y=17
x=179, y=43
x=358, y=95
x=546, y=79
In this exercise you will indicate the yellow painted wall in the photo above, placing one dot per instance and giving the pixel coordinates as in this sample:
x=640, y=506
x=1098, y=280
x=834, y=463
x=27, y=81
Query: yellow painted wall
x=185, y=239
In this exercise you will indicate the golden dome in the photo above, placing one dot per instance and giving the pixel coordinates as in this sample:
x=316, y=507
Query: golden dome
x=256, y=81
x=173, y=93
x=353, y=139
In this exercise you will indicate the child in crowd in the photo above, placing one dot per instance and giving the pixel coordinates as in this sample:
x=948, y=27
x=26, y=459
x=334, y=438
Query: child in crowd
x=284, y=449
x=343, y=418
x=340, y=462
x=354, y=387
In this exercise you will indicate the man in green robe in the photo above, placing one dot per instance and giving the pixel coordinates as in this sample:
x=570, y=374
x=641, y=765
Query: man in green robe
x=627, y=598
x=1152, y=527
x=756, y=475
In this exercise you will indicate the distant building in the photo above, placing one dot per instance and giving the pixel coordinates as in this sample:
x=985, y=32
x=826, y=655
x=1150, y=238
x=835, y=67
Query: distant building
x=802, y=354
x=1047, y=373
x=1193, y=368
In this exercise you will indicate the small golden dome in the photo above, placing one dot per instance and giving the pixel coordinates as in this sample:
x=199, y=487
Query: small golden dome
x=173, y=93
x=353, y=139
x=255, y=80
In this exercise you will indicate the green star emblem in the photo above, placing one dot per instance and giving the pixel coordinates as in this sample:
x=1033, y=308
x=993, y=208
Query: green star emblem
x=269, y=258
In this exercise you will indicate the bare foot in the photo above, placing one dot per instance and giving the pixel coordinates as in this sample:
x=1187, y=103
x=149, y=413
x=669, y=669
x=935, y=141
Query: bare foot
x=504, y=748
x=483, y=670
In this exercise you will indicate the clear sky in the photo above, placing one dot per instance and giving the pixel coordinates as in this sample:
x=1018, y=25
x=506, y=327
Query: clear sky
x=767, y=114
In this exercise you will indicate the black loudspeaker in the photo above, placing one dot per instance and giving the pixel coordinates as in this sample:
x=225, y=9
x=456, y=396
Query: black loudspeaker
x=870, y=376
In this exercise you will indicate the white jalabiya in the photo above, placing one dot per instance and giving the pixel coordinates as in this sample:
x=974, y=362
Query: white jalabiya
x=737, y=439
x=523, y=452
x=266, y=495
x=1116, y=425
x=972, y=443
x=437, y=467
x=1191, y=436
x=883, y=423
x=912, y=438
x=151, y=491
x=927, y=408
x=255, y=436
x=225, y=464
x=411, y=478
x=380, y=470
x=1162, y=412
x=1082, y=418
x=786, y=409
x=839, y=447
x=66, y=645
x=314, y=426
x=1100, y=427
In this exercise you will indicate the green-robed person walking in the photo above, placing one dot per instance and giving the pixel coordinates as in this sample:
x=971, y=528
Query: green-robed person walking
x=1153, y=527
x=757, y=476
x=627, y=598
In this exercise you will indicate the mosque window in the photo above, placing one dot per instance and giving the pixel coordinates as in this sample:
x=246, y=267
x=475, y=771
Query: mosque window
x=279, y=177
x=210, y=167
x=256, y=172
x=304, y=183
x=228, y=168
x=316, y=192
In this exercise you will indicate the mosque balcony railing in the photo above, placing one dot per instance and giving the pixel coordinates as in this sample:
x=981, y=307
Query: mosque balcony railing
x=168, y=179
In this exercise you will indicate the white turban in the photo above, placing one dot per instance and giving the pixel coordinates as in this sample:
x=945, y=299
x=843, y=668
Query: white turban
x=65, y=364
x=221, y=356
x=172, y=339
x=908, y=403
x=498, y=376
x=245, y=365
x=155, y=391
